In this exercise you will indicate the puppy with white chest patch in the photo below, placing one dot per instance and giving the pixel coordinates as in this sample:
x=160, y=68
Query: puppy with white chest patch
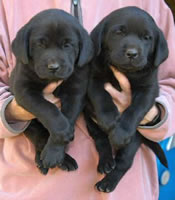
x=129, y=40
x=51, y=47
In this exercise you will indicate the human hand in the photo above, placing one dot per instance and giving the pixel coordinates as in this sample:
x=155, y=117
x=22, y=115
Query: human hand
x=123, y=99
x=16, y=112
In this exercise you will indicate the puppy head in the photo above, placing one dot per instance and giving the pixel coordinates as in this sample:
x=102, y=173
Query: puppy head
x=52, y=43
x=130, y=39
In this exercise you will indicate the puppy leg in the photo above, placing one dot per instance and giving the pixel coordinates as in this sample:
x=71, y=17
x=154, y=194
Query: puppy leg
x=126, y=126
x=124, y=160
x=38, y=135
x=106, y=113
x=52, y=119
x=72, y=93
x=106, y=162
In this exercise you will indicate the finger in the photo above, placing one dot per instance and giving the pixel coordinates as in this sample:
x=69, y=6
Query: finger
x=150, y=115
x=112, y=91
x=51, y=87
x=121, y=99
x=123, y=81
x=16, y=112
x=51, y=98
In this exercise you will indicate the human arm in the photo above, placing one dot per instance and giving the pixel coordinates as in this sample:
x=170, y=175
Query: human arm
x=7, y=128
x=14, y=118
x=123, y=99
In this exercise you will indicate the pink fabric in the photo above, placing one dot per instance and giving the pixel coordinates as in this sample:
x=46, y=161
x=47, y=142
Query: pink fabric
x=19, y=178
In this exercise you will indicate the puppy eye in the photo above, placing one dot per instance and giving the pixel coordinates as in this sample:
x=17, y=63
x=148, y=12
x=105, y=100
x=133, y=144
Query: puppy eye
x=118, y=32
x=41, y=45
x=66, y=45
x=147, y=37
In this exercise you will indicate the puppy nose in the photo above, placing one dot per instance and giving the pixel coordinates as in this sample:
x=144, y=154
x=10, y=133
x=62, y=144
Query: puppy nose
x=53, y=66
x=131, y=53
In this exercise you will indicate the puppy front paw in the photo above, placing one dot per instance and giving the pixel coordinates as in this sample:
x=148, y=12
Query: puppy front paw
x=119, y=137
x=52, y=155
x=39, y=164
x=69, y=164
x=106, y=185
x=106, y=165
x=68, y=134
x=63, y=136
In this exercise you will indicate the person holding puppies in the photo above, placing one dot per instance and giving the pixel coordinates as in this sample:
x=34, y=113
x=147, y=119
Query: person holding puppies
x=19, y=177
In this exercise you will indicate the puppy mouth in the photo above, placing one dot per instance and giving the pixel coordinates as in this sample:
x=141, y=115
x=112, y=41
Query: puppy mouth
x=126, y=64
x=127, y=69
x=61, y=74
x=129, y=66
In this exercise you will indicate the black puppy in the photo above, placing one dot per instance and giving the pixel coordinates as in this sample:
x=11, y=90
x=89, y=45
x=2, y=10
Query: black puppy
x=129, y=40
x=52, y=46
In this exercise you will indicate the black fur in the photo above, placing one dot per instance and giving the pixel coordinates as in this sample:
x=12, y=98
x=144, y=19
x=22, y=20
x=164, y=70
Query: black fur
x=52, y=46
x=129, y=40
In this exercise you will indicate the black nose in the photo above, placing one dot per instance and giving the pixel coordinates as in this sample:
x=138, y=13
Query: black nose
x=53, y=66
x=131, y=53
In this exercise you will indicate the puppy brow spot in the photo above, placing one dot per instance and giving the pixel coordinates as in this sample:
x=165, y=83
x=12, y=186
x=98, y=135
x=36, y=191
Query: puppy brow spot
x=42, y=42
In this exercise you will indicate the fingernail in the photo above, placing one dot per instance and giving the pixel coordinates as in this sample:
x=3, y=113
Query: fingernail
x=106, y=86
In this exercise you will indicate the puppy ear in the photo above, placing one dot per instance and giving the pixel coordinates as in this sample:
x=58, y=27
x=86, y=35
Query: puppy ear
x=97, y=37
x=20, y=45
x=86, y=49
x=161, y=49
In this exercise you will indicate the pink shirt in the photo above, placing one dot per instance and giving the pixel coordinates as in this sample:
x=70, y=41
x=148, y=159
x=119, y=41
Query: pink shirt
x=19, y=177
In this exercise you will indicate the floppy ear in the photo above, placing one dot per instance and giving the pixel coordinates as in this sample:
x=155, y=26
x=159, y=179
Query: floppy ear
x=86, y=49
x=97, y=37
x=161, y=49
x=20, y=45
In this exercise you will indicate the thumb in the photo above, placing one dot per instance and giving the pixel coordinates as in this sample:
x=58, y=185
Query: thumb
x=51, y=87
x=123, y=81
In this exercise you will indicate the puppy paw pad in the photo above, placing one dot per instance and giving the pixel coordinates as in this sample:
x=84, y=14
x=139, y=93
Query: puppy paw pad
x=69, y=164
x=105, y=186
x=105, y=166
